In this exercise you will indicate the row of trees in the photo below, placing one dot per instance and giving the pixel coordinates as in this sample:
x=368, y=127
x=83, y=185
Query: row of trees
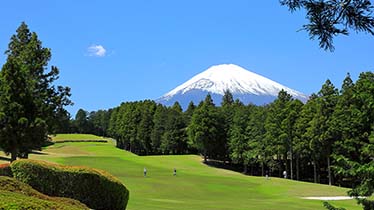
x=306, y=140
x=330, y=139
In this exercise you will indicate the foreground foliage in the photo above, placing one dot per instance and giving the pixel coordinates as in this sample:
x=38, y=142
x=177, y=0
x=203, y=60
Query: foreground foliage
x=97, y=189
x=18, y=195
x=330, y=18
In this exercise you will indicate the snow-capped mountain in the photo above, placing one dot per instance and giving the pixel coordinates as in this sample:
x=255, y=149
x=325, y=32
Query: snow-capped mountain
x=243, y=84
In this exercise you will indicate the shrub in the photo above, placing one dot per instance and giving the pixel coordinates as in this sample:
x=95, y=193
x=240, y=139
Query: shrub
x=97, y=189
x=5, y=170
x=17, y=195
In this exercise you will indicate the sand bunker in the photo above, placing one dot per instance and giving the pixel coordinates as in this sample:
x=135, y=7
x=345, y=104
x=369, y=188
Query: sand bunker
x=329, y=198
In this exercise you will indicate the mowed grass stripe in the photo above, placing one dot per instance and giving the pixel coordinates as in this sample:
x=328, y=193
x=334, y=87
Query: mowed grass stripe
x=76, y=137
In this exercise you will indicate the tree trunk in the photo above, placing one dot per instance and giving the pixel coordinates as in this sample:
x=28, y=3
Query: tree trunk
x=205, y=156
x=297, y=168
x=329, y=169
x=245, y=168
x=24, y=155
x=315, y=171
x=13, y=156
x=262, y=169
x=291, y=163
x=286, y=163
x=279, y=166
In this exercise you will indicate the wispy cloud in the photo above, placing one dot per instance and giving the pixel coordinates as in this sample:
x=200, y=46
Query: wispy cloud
x=96, y=50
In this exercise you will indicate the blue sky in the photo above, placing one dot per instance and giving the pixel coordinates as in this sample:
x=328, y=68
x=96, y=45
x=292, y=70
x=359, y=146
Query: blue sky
x=109, y=52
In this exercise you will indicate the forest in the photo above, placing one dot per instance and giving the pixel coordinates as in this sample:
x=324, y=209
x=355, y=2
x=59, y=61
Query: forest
x=324, y=140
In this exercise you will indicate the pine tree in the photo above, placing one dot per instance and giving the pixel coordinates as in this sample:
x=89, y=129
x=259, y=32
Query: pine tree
x=237, y=138
x=328, y=19
x=29, y=102
x=203, y=131
x=328, y=97
x=145, y=126
x=81, y=121
x=159, y=122
x=289, y=127
x=174, y=139
x=274, y=132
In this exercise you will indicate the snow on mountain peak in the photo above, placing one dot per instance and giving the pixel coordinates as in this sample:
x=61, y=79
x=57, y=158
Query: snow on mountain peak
x=234, y=78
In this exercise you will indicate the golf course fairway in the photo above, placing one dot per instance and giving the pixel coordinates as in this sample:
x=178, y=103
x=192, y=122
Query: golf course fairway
x=195, y=187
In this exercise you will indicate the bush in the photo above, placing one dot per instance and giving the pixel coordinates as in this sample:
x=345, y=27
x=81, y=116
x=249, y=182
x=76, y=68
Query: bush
x=5, y=170
x=97, y=189
x=17, y=195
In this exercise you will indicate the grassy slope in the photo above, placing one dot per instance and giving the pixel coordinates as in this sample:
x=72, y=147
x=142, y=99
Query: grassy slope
x=77, y=137
x=196, y=186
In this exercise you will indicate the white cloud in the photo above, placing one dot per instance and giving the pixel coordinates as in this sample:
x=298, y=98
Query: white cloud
x=96, y=50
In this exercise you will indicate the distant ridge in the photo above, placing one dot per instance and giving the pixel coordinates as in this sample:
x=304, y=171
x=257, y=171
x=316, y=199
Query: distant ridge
x=245, y=85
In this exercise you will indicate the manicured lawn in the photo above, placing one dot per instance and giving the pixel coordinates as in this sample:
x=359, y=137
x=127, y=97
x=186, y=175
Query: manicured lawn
x=76, y=137
x=196, y=185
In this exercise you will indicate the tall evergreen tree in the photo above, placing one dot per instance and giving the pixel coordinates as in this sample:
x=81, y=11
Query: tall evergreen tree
x=237, y=138
x=302, y=141
x=159, y=124
x=227, y=111
x=354, y=154
x=328, y=98
x=289, y=127
x=145, y=126
x=203, y=131
x=29, y=102
x=276, y=115
x=174, y=139
x=81, y=121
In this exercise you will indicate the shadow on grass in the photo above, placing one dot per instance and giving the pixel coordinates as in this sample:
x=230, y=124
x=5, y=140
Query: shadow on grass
x=38, y=153
x=224, y=165
x=4, y=158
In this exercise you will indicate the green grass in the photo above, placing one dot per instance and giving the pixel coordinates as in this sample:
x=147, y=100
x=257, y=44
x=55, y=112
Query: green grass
x=76, y=137
x=196, y=185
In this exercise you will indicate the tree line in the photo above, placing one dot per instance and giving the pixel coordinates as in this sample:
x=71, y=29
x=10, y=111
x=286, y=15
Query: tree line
x=310, y=141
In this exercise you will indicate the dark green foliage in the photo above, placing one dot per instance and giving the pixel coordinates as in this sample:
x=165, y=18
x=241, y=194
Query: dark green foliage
x=159, y=122
x=99, y=122
x=174, y=138
x=205, y=129
x=330, y=18
x=30, y=105
x=354, y=152
x=239, y=145
x=97, y=189
x=18, y=195
x=132, y=124
x=275, y=133
x=5, y=170
x=330, y=207
x=81, y=121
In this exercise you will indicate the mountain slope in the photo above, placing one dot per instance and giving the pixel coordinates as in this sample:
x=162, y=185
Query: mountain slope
x=243, y=84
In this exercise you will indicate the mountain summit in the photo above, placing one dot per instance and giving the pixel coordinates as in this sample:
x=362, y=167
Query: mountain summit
x=243, y=84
